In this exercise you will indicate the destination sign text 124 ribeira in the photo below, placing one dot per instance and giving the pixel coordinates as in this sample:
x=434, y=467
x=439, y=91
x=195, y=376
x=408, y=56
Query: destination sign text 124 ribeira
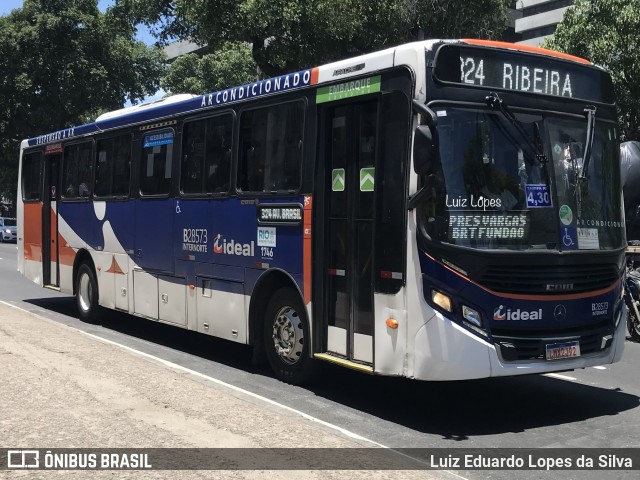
x=522, y=72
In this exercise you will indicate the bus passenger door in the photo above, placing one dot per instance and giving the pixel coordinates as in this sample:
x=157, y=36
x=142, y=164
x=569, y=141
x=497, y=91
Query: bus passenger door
x=350, y=139
x=50, y=267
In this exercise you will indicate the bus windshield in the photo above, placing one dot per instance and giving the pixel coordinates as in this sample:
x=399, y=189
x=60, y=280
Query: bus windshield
x=518, y=183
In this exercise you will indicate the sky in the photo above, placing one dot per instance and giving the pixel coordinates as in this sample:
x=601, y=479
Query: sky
x=143, y=34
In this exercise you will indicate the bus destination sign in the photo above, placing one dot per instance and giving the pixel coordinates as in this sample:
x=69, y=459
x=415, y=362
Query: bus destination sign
x=522, y=72
x=279, y=214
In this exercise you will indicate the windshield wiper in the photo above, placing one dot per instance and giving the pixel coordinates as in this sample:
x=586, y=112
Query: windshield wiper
x=586, y=156
x=494, y=101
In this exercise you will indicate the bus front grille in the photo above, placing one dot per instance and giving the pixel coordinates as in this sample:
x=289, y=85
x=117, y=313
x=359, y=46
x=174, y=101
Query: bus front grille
x=547, y=279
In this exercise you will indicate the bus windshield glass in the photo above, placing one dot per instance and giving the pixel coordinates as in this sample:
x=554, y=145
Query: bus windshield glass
x=517, y=183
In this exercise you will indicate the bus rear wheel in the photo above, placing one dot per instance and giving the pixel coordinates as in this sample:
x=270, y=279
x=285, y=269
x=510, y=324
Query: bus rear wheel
x=87, y=294
x=286, y=335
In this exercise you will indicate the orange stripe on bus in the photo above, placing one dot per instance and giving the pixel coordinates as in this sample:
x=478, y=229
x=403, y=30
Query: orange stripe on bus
x=53, y=230
x=66, y=253
x=32, y=231
x=525, y=48
x=315, y=74
x=115, y=268
x=306, y=248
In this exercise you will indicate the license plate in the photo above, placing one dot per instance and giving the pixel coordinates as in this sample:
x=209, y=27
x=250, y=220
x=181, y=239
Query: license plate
x=558, y=351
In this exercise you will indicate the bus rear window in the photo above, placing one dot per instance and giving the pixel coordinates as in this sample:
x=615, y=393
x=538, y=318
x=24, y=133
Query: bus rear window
x=271, y=148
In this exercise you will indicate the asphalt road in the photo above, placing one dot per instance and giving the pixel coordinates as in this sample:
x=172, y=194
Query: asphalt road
x=595, y=407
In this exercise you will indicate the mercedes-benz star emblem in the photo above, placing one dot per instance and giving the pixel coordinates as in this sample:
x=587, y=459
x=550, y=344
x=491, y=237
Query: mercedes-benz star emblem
x=560, y=312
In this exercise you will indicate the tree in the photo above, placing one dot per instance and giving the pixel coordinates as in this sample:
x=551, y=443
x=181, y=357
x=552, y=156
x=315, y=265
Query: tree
x=289, y=35
x=606, y=32
x=230, y=65
x=61, y=61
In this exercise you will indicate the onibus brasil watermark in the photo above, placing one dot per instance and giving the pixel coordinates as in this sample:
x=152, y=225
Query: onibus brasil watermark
x=321, y=459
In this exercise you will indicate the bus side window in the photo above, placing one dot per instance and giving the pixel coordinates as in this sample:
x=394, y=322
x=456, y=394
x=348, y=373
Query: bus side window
x=223, y=175
x=31, y=176
x=77, y=168
x=206, y=156
x=113, y=167
x=217, y=162
x=193, y=153
x=271, y=148
x=155, y=163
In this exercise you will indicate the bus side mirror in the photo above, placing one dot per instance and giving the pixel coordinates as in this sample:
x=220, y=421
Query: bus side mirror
x=424, y=150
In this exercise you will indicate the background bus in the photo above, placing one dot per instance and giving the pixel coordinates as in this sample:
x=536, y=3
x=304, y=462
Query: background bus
x=439, y=210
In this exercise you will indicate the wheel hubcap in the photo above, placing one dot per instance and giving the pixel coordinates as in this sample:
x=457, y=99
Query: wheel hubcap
x=288, y=336
x=85, y=292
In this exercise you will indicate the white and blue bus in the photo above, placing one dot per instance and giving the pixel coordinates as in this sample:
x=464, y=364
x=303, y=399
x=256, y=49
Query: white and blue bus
x=441, y=210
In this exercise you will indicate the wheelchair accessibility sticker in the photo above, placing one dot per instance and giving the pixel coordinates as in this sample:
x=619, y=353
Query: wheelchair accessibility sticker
x=569, y=238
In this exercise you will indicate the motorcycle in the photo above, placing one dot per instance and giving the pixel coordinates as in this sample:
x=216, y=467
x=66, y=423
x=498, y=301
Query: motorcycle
x=632, y=299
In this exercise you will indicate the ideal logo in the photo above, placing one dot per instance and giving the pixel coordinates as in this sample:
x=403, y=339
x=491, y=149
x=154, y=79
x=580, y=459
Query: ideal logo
x=501, y=314
x=220, y=245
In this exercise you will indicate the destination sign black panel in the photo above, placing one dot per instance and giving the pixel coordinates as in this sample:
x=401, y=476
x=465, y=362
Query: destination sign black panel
x=523, y=72
x=288, y=214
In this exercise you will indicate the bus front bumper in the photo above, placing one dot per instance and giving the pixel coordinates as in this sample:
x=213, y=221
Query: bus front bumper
x=444, y=350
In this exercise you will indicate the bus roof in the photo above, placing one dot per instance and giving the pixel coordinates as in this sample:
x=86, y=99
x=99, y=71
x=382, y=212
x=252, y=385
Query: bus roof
x=526, y=48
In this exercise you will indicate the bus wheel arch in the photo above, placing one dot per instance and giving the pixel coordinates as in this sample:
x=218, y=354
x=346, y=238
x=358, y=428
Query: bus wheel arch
x=277, y=309
x=85, y=287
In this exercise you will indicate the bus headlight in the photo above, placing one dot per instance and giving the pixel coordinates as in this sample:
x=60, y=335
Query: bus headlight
x=472, y=319
x=441, y=300
x=472, y=316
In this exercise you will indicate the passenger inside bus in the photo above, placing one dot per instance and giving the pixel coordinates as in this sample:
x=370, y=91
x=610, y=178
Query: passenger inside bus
x=491, y=172
x=495, y=188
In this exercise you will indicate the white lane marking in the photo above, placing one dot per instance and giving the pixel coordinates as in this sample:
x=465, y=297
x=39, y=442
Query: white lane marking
x=451, y=472
x=175, y=366
x=560, y=377
x=600, y=368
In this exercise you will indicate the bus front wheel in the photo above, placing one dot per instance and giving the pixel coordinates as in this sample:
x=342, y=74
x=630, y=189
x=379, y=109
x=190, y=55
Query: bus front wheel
x=286, y=334
x=87, y=294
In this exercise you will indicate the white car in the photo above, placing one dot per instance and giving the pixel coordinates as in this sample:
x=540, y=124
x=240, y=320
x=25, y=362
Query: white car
x=8, y=229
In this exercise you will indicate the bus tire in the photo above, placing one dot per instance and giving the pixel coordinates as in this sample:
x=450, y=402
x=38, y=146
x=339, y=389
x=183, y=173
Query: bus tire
x=87, y=294
x=286, y=334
